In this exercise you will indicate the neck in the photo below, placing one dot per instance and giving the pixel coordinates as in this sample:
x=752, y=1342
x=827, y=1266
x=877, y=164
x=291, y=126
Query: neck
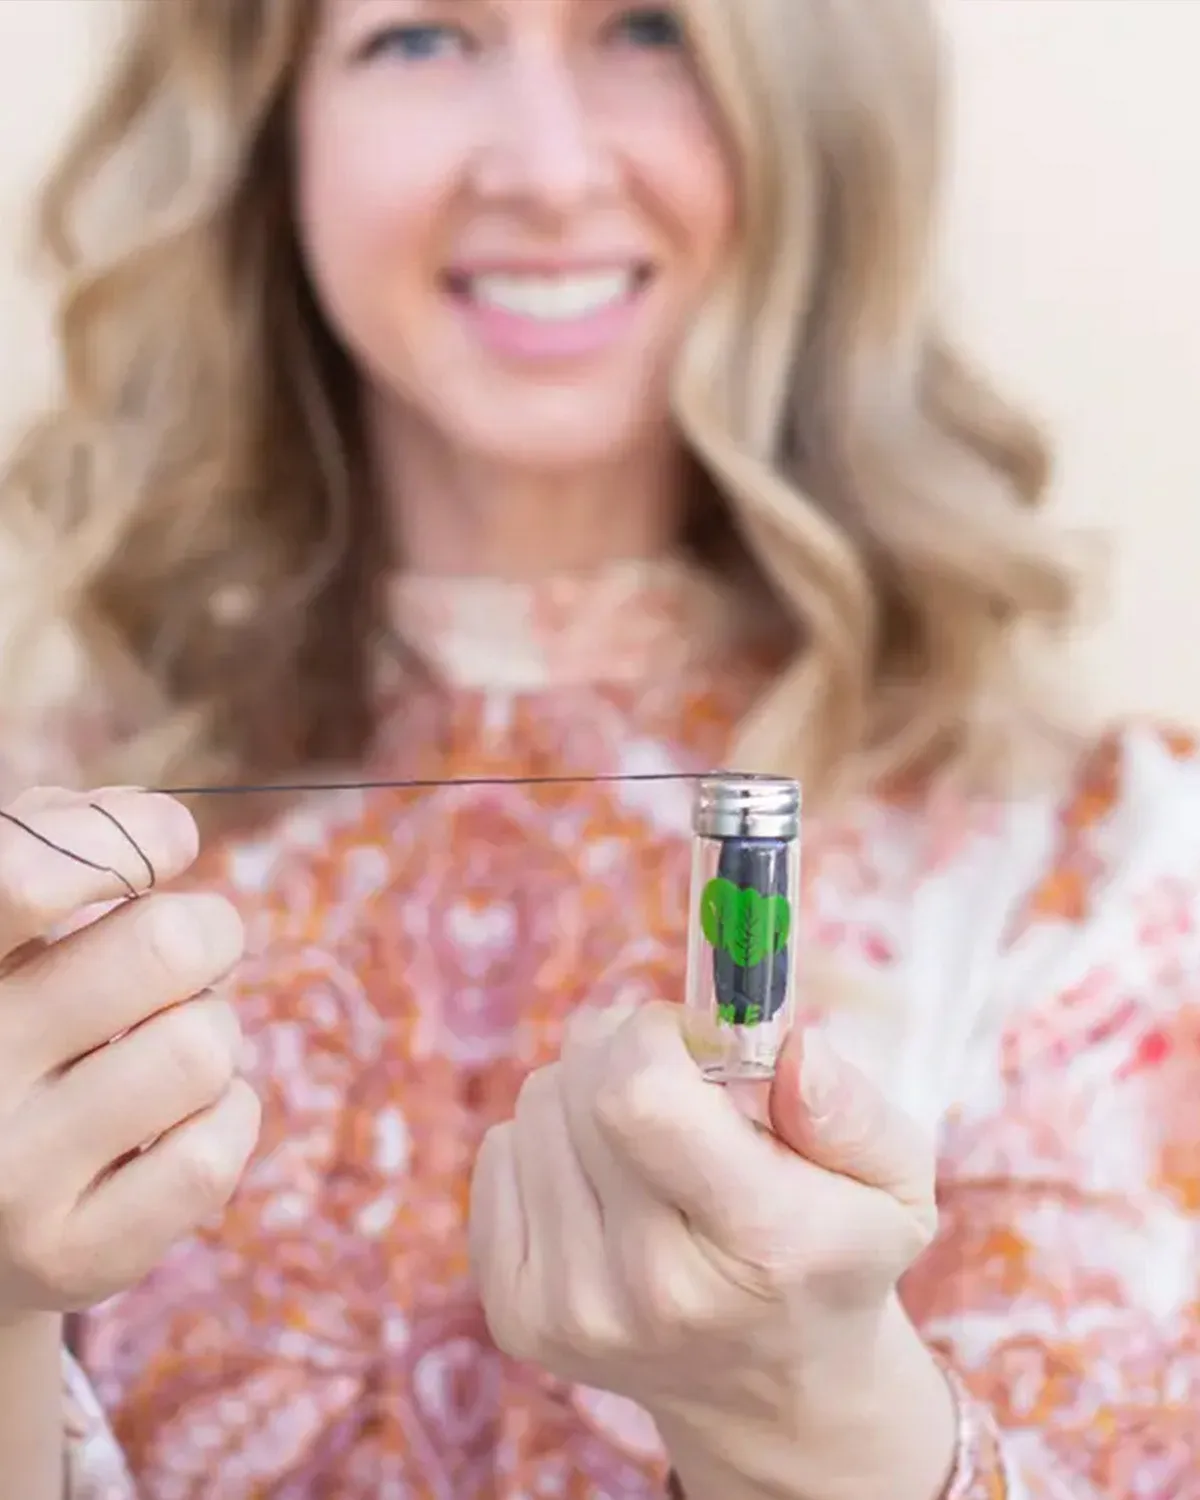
x=450, y=514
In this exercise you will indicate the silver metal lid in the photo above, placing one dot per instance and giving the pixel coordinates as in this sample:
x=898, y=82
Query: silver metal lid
x=732, y=805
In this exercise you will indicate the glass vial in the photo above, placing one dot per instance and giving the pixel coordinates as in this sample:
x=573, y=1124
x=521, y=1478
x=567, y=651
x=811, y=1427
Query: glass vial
x=745, y=904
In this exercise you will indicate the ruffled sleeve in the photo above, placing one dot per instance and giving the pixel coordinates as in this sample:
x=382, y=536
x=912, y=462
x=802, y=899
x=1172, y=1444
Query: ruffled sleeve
x=94, y=1466
x=1063, y=1292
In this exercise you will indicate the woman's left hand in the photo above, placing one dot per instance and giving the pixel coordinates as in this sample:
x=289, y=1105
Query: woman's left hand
x=634, y=1229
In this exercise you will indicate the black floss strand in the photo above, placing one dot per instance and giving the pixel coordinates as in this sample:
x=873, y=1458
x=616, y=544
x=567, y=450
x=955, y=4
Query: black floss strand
x=428, y=785
x=131, y=890
x=303, y=788
x=151, y=874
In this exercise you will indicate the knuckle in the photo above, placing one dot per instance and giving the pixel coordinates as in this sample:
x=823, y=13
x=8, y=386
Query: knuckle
x=517, y=1317
x=670, y=1301
x=18, y=1075
x=591, y=1027
x=168, y=937
x=195, y=1050
x=249, y=1118
x=34, y=1250
x=209, y=1171
x=19, y=895
x=244, y=1117
x=668, y=1293
x=832, y=1264
x=784, y=1251
x=925, y=1223
x=588, y=1325
x=511, y=1335
x=484, y=1165
x=625, y=1105
x=14, y=1175
x=11, y=963
x=865, y=1122
x=189, y=940
x=536, y=1089
x=579, y=1030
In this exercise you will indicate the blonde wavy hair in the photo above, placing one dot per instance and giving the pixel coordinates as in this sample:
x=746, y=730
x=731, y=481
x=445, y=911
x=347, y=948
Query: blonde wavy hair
x=206, y=449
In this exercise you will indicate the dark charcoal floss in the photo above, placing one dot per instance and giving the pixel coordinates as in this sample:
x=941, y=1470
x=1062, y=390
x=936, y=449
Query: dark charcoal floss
x=750, y=973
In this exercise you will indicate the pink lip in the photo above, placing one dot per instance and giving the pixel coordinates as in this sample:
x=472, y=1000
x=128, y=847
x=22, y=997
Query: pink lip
x=514, y=336
x=542, y=265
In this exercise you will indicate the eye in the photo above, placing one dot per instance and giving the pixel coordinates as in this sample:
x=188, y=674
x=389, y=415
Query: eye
x=416, y=43
x=652, y=26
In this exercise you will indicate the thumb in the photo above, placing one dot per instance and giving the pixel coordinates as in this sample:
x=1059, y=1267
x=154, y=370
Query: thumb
x=827, y=1111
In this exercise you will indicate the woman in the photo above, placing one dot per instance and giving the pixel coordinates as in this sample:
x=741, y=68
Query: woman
x=548, y=388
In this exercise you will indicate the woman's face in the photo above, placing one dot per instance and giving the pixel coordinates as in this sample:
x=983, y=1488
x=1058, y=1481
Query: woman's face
x=510, y=210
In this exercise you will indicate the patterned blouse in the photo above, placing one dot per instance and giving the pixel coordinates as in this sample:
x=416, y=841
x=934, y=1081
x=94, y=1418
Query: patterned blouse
x=1030, y=987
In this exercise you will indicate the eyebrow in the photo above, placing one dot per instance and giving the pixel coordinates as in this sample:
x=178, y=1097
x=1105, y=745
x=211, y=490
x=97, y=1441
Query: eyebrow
x=352, y=6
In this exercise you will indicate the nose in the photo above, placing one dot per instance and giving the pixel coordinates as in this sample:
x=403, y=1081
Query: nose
x=545, y=143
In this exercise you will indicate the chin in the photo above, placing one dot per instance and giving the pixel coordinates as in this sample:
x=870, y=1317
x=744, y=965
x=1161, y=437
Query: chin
x=565, y=437
x=547, y=452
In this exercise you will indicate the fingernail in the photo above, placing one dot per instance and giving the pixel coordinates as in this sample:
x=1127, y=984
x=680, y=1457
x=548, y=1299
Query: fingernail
x=820, y=1076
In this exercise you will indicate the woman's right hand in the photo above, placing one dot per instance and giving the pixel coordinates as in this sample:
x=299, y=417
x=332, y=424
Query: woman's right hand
x=110, y=1150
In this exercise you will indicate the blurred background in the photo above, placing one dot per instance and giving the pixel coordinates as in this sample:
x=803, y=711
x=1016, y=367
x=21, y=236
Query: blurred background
x=1072, y=257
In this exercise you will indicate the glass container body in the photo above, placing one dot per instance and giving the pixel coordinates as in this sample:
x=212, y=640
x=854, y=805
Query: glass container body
x=741, y=973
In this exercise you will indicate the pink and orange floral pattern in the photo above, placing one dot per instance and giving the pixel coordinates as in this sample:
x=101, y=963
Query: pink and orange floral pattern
x=1031, y=975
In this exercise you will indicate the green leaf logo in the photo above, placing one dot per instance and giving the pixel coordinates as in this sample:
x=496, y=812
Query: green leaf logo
x=742, y=923
x=779, y=922
x=717, y=902
x=746, y=937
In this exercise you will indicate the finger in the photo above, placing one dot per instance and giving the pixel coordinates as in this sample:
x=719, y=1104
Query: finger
x=554, y=1188
x=585, y=1072
x=141, y=958
x=566, y=1267
x=128, y=1223
x=662, y=1277
x=58, y=855
x=176, y=1065
x=685, y=1138
x=584, y=1065
x=32, y=801
x=589, y=1027
x=22, y=955
x=498, y=1238
x=827, y=1111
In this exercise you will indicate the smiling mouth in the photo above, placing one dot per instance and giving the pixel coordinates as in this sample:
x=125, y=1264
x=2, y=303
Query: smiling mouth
x=559, y=297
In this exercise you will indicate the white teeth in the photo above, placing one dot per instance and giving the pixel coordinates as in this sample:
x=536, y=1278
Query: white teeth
x=552, y=299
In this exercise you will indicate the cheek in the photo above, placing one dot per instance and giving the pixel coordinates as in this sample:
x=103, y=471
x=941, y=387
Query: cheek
x=686, y=167
x=710, y=204
x=353, y=217
x=367, y=214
